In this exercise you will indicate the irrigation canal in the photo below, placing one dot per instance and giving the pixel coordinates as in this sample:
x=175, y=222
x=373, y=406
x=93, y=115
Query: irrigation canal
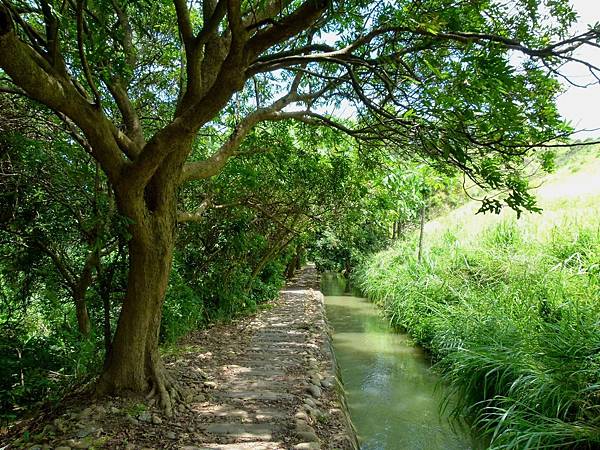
x=393, y=395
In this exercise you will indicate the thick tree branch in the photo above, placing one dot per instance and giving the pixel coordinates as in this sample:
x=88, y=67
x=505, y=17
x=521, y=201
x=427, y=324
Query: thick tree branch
x=82, y=57
x=234, y=18
x=204, y=54
x=127, y=39
x=211, y=23
x=10, y=90
x=200, y=105
x=197, y=215
x=131, y=120
x=301, y=19
x=232, y=74
x=215, y=163
x=51, y=32
x=32, y=73
x=254, y=19
x=183, y=21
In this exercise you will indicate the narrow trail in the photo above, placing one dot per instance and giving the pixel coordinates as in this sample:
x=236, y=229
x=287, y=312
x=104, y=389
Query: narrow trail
x=266, y=379
x=263, y=382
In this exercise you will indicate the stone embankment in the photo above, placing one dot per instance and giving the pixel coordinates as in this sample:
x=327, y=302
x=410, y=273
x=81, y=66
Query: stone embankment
x=263, y=382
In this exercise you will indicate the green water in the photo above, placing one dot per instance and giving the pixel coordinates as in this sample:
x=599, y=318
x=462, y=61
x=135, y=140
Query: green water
x=391, y=391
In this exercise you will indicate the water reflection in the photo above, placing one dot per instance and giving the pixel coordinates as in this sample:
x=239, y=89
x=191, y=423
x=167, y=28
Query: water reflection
x=391, y=391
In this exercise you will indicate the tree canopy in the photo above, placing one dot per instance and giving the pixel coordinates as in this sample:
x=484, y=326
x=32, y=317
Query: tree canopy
x=163, y=95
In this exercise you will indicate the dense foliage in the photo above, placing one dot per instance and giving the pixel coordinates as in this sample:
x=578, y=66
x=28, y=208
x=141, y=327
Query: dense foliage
x=63, y=248
x=180, y=156
x=395, y=198
x=510, y=314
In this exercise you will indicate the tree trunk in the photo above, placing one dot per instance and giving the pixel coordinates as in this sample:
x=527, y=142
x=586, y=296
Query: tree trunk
x=106, y=321
x=300, y=254
x=271, y=254
x=106, y=281
x=80, y=291
x=292, y=265
x=83, y=318
x=133, y=364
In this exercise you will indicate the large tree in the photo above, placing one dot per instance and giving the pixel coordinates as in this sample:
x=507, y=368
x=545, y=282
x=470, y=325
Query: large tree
x=146, y=85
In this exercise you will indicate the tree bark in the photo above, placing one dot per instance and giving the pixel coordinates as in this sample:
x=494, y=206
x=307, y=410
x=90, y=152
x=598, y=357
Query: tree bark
x=83, y=318
x=292, y=265
x=400, y=229
x=133, y=364
x=105, y=276
x=300, y=254
x=106, y=320
x=79, y=293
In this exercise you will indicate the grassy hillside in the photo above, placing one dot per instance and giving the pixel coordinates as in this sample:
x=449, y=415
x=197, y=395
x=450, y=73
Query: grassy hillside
x=510, y=310
x=571, y=193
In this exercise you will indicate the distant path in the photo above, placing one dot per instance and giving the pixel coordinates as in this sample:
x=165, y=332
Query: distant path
x=262, y=382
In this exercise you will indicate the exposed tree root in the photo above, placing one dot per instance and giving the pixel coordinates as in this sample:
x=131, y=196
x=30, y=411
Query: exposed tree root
x=165, y=389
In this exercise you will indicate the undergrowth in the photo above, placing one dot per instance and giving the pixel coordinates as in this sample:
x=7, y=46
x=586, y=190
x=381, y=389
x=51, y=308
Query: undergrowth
x=511, y=316
x=43, y=358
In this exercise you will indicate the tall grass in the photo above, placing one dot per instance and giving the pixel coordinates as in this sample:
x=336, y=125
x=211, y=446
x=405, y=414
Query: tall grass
x=511, y=314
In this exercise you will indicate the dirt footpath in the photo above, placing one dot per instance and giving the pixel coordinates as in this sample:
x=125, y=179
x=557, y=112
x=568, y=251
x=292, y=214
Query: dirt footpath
x=263, y=382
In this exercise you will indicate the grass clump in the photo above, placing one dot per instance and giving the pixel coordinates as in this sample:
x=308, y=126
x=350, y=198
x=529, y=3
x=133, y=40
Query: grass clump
x=511, y=315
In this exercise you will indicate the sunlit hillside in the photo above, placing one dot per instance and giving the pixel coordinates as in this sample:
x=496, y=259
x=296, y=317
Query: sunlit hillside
x=570, y=194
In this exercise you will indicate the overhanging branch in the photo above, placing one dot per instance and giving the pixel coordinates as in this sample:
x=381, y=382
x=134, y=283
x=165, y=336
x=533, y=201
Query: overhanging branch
x=35, y=75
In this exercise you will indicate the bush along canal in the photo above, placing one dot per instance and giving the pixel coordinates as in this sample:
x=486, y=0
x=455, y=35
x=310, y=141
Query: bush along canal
x=393, y=395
